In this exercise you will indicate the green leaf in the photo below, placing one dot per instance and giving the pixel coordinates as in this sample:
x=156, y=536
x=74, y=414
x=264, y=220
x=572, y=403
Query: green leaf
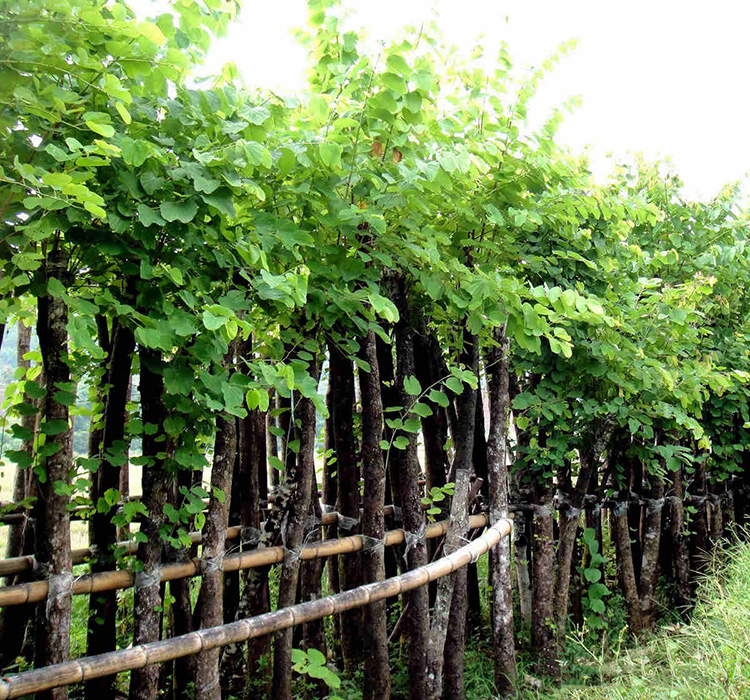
x=148, y=216
x=401, y=442
x=102, y=129
x=54, y=427
x=330, y=154
x=179, y=211
x=439, y=398
x=412, y=386
x=134, y=152
x=592, y=575
x=152, y=32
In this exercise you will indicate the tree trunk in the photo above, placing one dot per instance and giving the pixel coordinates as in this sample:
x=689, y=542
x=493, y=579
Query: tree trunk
x=458, y=524
x=156, y=487
x=377, y=683
x=504, y=652
x=52, y=634
x=341, y=378
x=680, y=543
x=210, y=601
x=299, y=481
x=543, y=633
x=405, y=466
x=102, y=625
x=625, y=568
x=435, y=426
x=650, y=549
x=455, y=643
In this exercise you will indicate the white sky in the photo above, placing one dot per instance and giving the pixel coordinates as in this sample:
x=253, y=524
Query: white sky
x=663, y=77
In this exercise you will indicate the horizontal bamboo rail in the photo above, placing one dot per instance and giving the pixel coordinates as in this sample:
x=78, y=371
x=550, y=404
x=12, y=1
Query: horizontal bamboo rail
x=18, y=565
x=36, y=591
x=88, y=668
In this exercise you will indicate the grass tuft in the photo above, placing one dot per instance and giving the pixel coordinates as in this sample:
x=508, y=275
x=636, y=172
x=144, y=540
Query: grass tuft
x=706, y=659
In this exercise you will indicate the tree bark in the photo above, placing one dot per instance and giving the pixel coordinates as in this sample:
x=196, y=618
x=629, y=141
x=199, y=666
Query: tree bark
x=210, y=601
x=650, y=549
x=52, y=634
x=504, y=652
x=341, y=378
x=102, y=625
x=406, y=469
x=299, y=481
x=569, y=519
x=625, y=568
x=156, y=487
x=377, y=683
x=680, y=542
x=455, y=643
x=458, y=525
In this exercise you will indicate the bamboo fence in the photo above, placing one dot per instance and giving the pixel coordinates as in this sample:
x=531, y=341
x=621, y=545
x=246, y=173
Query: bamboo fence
x=88, y=668
x=36, y=591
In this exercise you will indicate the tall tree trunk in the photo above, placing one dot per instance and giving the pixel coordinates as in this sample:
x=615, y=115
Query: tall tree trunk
x=504, y=652
x=458, y=524
x=406, y=469
x=298, y=481
x=102, y=625
x=377, y=666
x=210, y=601
x=341, y=378
x=52, y=634
x=156, y=487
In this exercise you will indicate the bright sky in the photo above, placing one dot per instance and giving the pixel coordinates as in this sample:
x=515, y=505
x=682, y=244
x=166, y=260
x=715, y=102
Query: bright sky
x=665, y=77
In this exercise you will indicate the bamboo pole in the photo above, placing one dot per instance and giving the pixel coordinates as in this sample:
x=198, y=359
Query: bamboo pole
x=113, y=580
x=88, y=668
x=17, y=565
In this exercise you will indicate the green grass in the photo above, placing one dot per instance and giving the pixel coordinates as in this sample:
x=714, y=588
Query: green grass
x=704, y=660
